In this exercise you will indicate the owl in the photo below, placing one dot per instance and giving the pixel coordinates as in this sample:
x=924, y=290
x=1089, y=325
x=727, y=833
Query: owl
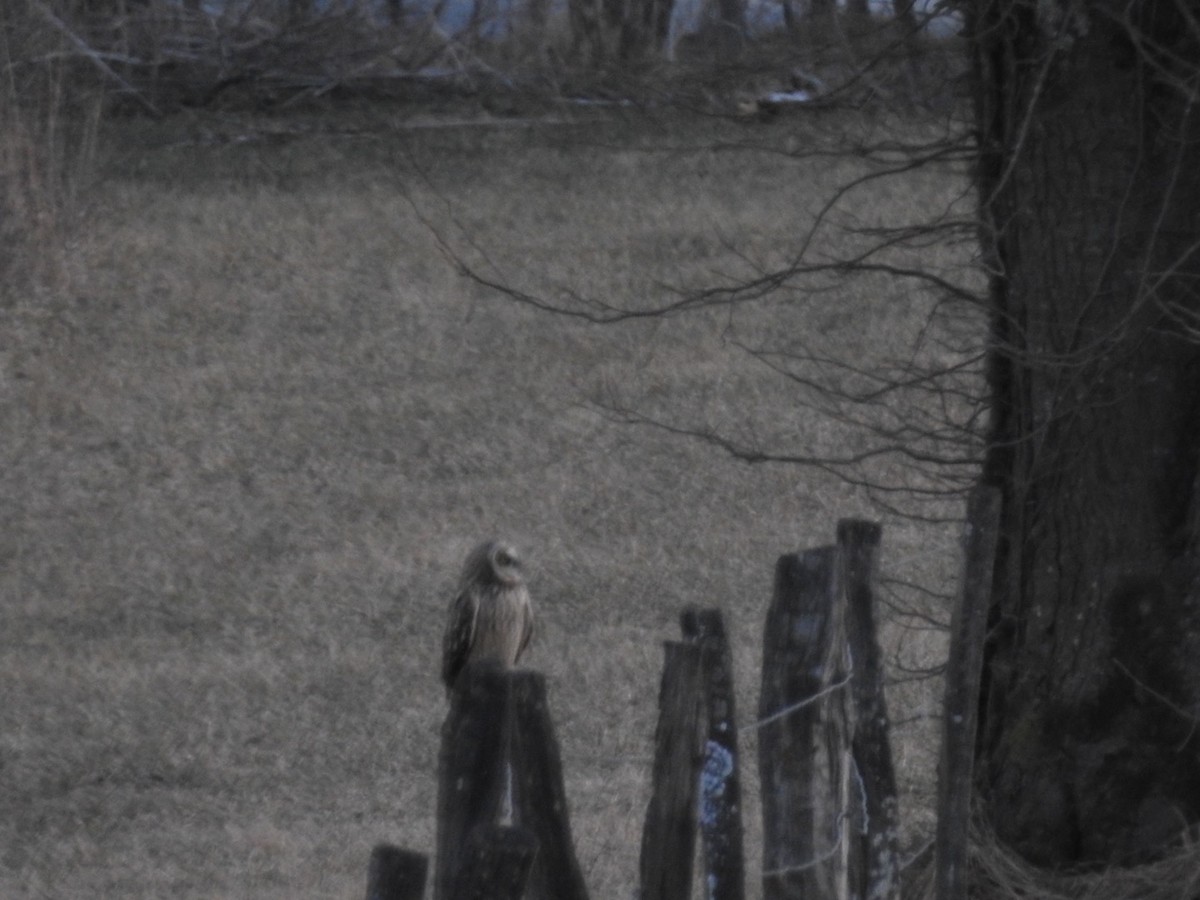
x=491, y=618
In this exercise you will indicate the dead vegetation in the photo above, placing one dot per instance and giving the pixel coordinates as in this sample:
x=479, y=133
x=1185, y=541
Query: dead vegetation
x=155, y=57
x=48, y=122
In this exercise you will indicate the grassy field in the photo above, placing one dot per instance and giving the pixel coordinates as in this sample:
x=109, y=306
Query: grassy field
x=249, y=437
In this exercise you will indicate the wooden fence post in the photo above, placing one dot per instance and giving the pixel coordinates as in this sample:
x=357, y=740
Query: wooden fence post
x=473, y=770
x=669, y=836
x=803, y=732
x=539, y=798
x=720, y=780
x=878, y=838
x=495, y=864
x=500, y=760
x=968, y=629
x=396, y=874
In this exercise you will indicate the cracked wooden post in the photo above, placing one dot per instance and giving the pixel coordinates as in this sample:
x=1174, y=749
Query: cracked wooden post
x=669, y=836
x=539, y=797
x=875, y=868
x=720, y=802
x=803, y=732
x=473, y=778
x=500, y=764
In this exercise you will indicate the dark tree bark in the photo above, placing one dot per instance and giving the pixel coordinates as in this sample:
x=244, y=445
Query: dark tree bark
x=1089, y=180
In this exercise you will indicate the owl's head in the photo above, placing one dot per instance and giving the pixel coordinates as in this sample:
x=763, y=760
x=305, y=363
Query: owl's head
x=495, y=561
x=506, y=565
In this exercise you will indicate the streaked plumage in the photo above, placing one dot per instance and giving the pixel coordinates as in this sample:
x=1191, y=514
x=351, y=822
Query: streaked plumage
x=491, y=618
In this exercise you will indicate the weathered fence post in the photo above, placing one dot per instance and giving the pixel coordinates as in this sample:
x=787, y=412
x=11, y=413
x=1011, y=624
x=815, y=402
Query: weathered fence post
x=803, y=732
x=669, y=837
x=720, y=782
x=968, y=628
x=878, y=838
x=495, y=864
x=539, y=798
x=499, y=760
x=396, y=874
x=473, y=771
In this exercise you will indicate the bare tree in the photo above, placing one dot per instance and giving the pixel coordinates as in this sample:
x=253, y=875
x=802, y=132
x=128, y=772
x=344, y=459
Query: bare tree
x=1089, y=179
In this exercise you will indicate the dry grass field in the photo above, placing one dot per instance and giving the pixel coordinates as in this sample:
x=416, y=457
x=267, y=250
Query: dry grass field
x=250, y=434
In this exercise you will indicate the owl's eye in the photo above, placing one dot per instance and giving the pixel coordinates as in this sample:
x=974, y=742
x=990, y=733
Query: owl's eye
x=503, y=559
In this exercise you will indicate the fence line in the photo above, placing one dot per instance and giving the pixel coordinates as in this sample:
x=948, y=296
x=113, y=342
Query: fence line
x=825, y=764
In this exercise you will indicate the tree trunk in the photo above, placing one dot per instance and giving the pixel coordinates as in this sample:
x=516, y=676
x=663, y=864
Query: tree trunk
x=1089, y=181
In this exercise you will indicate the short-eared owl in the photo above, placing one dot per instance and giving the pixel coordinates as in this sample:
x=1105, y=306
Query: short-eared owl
x=491, y=619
